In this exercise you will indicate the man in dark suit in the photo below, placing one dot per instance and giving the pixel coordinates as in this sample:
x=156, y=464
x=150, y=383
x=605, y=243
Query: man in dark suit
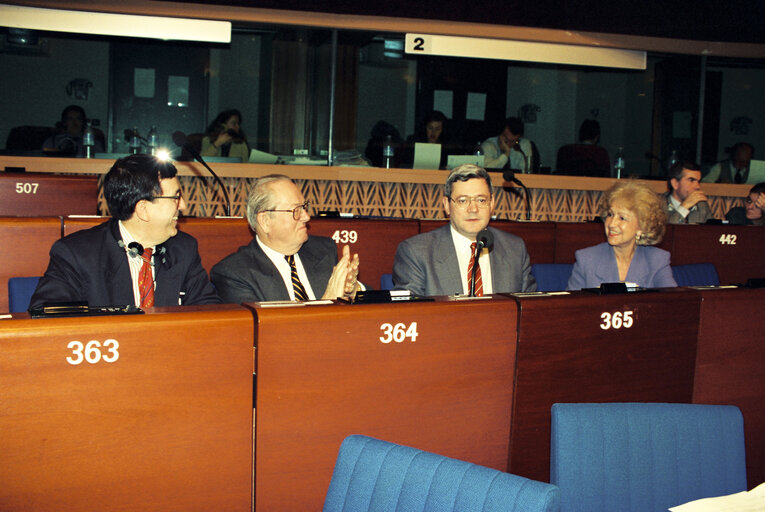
x=283, y=262
x=437, y=262
x=105, y=265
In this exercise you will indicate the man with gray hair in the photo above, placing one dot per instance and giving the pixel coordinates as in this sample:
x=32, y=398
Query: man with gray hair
x=441, y=261
x=283, y=262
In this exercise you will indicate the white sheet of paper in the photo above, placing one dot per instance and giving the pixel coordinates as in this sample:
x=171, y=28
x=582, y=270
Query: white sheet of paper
x=178, y=91
x=426, y=156
x=476, y=106
x=143, y=82
x=261, y=157
x=443, y=101
x=752, y=501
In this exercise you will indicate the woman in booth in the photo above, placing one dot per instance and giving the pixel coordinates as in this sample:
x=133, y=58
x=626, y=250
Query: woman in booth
x=634, y=219
x=432, y=130
x=224, y=137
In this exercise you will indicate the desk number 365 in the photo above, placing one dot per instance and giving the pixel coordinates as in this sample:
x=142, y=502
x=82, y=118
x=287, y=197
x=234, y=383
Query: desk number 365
x=93, y=352
x=616, y=320
x=398, y=332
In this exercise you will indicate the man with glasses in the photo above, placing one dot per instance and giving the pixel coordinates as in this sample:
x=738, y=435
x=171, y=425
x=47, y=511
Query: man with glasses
x=283, y=262
x=138, y=257
x=438, y=262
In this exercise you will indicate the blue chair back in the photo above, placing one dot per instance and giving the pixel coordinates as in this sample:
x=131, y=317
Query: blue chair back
x=20, y=290
x=645, y=456
x=386, y=282
x=696, y=274
x=377, y=475
x=551, y=277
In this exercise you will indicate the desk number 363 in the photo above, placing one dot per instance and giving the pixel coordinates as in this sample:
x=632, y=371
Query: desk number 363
x=93, y=352
x=616, y=320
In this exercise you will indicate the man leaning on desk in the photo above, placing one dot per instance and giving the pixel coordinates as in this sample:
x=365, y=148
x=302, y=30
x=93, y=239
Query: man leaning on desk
x=284, y=263
x=440, y=262
x=137, y=257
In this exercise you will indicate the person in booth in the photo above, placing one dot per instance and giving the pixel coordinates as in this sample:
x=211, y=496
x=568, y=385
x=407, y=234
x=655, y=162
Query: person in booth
x=68, y=139
x=283, y=262
x=510, y=150
x=224, y=137
x=438, y=262
x=137, y=257
x=686, y=203
x=634, y=219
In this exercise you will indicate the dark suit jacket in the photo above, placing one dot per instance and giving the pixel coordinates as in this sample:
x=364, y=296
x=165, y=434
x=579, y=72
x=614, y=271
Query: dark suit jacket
x=699, y=214
x=90, y=266
x=249, y=276
x=426, y=264
x=597, y=264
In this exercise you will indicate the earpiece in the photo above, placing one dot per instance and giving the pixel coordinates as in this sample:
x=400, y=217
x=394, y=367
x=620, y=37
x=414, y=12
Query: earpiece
x=135, y=250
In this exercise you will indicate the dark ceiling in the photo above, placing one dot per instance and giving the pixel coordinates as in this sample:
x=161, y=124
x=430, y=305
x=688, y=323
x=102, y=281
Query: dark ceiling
x=731, y=20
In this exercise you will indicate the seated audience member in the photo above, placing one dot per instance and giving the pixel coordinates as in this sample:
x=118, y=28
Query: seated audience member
x=283, y=262
x=139, y=256
x=734, y=169
x=685, y=201
x=634, y=218
x=432, y=131
x=68, y=137
x=585, y=158
x=224, y=137
x=437, y=262
x=509, y=149
x=753, y=211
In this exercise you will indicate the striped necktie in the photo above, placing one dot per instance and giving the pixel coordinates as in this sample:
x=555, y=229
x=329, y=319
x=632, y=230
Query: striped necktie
x=478, y=280
x=297, y=286
x=146, y=281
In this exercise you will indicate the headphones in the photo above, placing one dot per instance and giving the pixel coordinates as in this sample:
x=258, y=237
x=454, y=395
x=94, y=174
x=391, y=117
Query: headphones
x=135, y=250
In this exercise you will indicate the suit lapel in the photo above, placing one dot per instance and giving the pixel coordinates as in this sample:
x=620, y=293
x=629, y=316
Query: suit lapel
x=445, y=262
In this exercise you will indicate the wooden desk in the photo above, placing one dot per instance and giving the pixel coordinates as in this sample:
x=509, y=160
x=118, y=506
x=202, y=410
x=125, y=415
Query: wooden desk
x=167, y=426
x=24, y=250
x=375, y=241
x=738, y=252
x=730, y=365
x=41, y=194
x=323, y=374
x=566, y=355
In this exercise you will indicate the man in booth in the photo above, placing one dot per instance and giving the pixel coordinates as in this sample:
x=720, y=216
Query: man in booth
x=686, y=202
x=440, y=262
x=138, y=257
x=283, y=262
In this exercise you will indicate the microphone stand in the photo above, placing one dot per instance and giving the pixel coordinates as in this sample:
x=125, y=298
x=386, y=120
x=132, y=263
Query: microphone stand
x=509, y=175
x=201, y=160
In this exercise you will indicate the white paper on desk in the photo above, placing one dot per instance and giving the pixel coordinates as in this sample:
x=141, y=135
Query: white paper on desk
x=476, y=106
x=442, y=101
x=426, y=156
x=756, y=171
x=751, y=501
x=261, y=157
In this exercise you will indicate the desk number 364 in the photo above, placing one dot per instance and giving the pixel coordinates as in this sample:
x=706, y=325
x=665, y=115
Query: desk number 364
x=93, y=352
x=398, y=332
x=616, y=320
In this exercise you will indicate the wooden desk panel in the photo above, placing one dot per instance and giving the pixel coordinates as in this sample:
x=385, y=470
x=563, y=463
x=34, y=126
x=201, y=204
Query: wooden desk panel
x=217, y=238
x=323, y=374
x=36, y=195
x=376, y=241
x=565, y=356
x=539, y=237
x=737, y=251
x=168, y=426
x=24, y=249
x=730, y=365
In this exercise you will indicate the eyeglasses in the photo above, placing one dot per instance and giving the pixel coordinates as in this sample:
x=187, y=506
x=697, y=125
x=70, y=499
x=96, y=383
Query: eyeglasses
x=178, y=196
x=296, y=211
x=463, y=202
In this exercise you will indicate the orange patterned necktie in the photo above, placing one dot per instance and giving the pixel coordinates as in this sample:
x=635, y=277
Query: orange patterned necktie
x=478, y=280
x=146, y=281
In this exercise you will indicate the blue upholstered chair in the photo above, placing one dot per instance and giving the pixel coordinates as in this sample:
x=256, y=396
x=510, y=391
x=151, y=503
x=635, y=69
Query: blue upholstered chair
x=696, y=274
x=20, y=290
x=551, y=277
x=645, y=457
x=386, y=282
x=377, y=475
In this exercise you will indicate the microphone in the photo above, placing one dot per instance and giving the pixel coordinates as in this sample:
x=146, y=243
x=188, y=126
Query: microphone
x=135, y=250
x=179, y=138
x=517, y=147
x=484, y=238
x=509, y=175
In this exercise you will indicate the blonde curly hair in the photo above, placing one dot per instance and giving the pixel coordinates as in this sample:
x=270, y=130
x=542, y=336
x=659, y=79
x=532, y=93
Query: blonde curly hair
x=647, y=205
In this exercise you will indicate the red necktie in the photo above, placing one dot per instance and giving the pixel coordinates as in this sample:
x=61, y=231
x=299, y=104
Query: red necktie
x=478, y=280
x=146, y=281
